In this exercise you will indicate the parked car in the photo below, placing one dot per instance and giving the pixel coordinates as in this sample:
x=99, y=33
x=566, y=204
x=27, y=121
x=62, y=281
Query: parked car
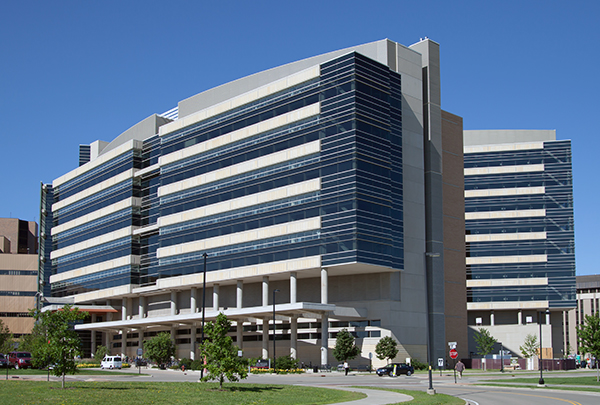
x=111, y=362
x=401, y=368
x=3, y=361
x=19, y=360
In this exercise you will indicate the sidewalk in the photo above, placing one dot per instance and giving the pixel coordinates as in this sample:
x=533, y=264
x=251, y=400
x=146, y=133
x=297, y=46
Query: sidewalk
x=374, y=397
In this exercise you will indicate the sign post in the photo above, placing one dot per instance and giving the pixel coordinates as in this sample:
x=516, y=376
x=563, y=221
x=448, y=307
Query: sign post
x=453, y=356
x=440, y=364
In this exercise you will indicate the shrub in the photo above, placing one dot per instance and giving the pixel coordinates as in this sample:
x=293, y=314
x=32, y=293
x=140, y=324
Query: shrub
x=417, y=365
x=286, y=363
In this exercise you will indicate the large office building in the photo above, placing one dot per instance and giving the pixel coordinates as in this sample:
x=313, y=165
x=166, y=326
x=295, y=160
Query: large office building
x=328, y=191
x=18, y=274
x=519, y=236
x=588, y=304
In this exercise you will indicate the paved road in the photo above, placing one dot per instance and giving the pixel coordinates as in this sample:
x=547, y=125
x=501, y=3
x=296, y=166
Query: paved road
x=473, y=395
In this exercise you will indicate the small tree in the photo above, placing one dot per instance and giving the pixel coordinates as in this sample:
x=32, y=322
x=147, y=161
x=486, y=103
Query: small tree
x=54, y=340
x=6, y=338
x=485, y=343
x=221, y=355
x=345, y=348
x=530, y=346
x=386, y=348
x=589, y=338
x=160, y=348
x=101, y=351
x=286, y=362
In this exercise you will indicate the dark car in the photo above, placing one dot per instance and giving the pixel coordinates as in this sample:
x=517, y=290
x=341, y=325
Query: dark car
x=19, y=360
x=3, y=361
x=401, y=368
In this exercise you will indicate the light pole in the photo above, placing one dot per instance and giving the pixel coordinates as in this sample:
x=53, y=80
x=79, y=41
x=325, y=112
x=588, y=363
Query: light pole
x=203, y=307
x=547, y=312
x=430, y=390
x=274, y=329
x=501, y=358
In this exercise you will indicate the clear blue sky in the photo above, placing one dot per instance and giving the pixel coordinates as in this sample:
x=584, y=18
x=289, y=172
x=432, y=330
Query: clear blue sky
x=72, y=72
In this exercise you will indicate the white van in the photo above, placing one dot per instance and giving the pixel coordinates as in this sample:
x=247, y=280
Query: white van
x=111, y=362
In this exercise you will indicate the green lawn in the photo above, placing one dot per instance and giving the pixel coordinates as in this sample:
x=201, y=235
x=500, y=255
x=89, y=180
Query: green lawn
x=81, y=371
x=423, y=398
x=123, y=393
x=561, y=383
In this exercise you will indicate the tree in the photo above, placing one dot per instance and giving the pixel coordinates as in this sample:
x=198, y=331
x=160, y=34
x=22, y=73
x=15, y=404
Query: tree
x=54, y=341
x=530, y=346
x=101, y=351
x=485, y=343
x=220, y=353
x=386, y=348
x=345, y=349
x=160, y=348
x=6, y=338
x=589, y=338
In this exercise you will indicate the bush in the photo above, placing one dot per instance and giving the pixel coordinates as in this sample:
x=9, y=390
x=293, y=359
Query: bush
x=417, y=365
x=286, y=363
x=196, y=365
x=185, y=362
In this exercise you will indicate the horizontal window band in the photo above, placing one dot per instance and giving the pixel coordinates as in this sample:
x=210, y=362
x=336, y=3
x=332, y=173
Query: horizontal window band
x=241, y=168
x=92, y=216
x=503, y=147
x=507, y=259
x=508, y=282
x=96, y=188
x=497, y=237
x=240, y=134
x=505, y=214
x=501, y=192
x=90, y=243
x=478, y=171
x=96, y=268
x=241, y=203
x=241, y=237
x=244, y=247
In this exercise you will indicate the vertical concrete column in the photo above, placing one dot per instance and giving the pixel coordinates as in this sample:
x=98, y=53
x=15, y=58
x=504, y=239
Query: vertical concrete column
x=173, y=332
x=123, y=342
x=265, y=291
x=216, y=297
x=240, y=294
x=324, y=338
x=265, y=339
x=142, y=307
x=93, y=347
x=239, y=331
x=141, y=338
x=294, y=337
x=520, y=317
x=293, y=287
x=173, y=303
x=193, y=342
x=193, y=304
x=492, y=322
x=547, y=319
x=324, y=286
x=124, y=309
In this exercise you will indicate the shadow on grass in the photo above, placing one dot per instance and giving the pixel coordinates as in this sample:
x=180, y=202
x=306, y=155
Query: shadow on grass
x=143, y=387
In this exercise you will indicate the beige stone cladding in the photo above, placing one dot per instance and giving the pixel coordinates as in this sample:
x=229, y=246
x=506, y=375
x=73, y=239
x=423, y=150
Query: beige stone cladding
x=16, y=305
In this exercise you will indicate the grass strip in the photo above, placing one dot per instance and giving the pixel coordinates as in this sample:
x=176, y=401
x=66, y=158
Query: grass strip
x=422, y=398
x=135, y=393
x=588, y=381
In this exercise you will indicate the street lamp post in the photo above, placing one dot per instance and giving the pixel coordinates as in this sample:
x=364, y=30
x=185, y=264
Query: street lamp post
x=274, y=329
x=501, y=358
x=430, y=390
x=547, y=312
x=203, y=307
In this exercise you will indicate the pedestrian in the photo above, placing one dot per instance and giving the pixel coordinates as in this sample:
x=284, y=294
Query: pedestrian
x=346, y=366
x=460, y=367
